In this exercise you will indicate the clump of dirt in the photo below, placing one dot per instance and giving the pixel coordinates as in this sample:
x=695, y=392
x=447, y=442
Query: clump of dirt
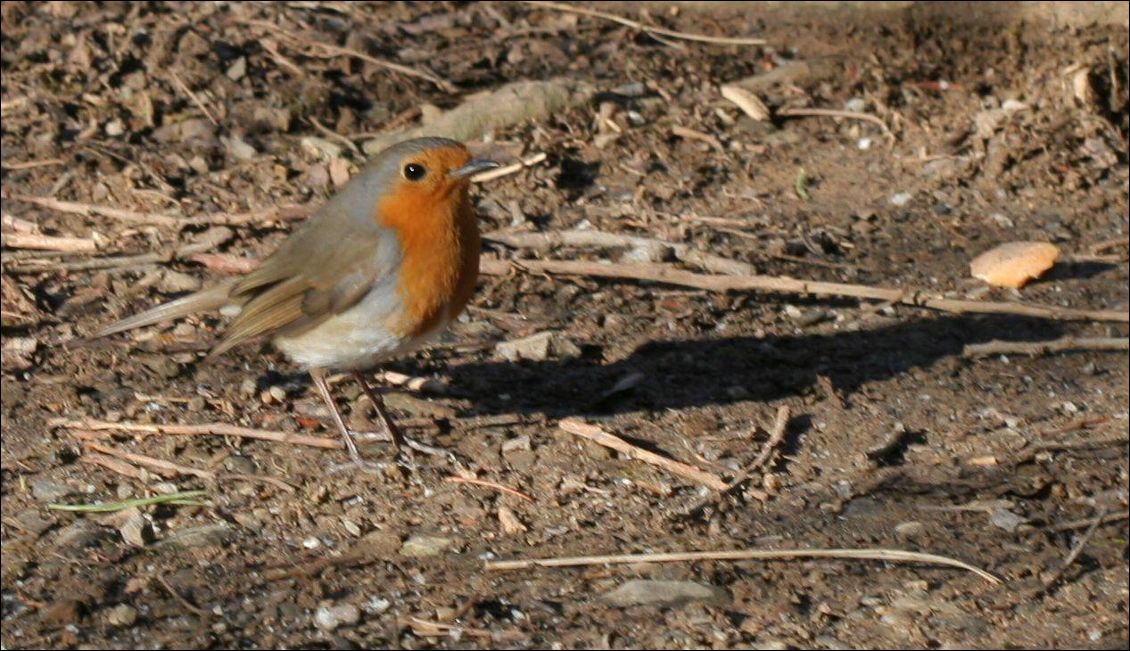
x=121, y=121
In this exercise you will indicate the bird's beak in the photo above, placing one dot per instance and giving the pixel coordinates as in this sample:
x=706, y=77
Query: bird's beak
x=473, y=167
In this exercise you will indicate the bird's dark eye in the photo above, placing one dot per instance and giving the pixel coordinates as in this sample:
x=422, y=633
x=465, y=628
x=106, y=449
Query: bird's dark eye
x=414, y=171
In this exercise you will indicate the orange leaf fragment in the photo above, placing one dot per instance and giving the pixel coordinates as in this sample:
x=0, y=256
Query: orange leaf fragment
x=1014, y=264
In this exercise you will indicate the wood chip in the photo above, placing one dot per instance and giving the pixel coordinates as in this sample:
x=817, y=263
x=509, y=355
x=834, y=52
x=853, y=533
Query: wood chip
x=749, y=103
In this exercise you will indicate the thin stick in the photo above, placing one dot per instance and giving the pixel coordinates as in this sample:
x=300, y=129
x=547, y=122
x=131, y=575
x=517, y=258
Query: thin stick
x=507, y=170
x=1050, y=581
x=691, y=134
x=776, y=435
x=274, y=481
x=598, y=435
x=425, y=628
x=330, y=133
x=31, y=164
x=895, y=555
x=49, y=243
x=152, y=462
x=208, y=241
x=1080, y=524
x=192, y=96
x=719, y=283
x=490, y=484
x=833, y=113
x=116, y=465
x=656, y=248
x=214, y=429
x=227, y=263
x=1060, y=345
x=184, y=602
x=130, y=216
x=335, y=50
x=700, y=38
x=284, y=213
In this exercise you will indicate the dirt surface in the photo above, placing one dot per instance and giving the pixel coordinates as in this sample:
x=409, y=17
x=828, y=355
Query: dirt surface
x=896, y=440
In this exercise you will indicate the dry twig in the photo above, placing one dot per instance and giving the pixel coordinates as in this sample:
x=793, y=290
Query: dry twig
x=656, y=249
x=1049, y=582
x=833, y=113
x=776, y=435
x=285, y=213
x=490, y=484
x=49, y=243
x=116, y=465
x=650, y=29
x=213, y=429
x=160, y=465
x=195, y=99
x=30, y=164
x=598, y=435
x=507, y=170
x=336, y=50
x=1081, y=524
x=207, y=241
x=895, y=555
x=997, y=347
x=200, y=612
x=720, y=283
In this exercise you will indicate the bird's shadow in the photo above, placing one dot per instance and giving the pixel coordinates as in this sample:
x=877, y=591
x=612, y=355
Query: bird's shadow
x=689, y=373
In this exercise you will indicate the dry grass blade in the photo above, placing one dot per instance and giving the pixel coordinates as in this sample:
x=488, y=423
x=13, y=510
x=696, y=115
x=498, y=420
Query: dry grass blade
x=893, y=555
x=181, y=498
x=650, y=29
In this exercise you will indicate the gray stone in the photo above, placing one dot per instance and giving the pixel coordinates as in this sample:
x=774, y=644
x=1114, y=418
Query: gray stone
x=209, y=534
x=329, y=618
x=641, y=592
x=911, y=529
x=122, y=615
x=419, y=546
x=539, y=347
x=49, y=491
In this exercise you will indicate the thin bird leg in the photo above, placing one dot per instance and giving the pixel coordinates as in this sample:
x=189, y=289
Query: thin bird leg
x=397, y=438
x=379, y=404
x=319, y=377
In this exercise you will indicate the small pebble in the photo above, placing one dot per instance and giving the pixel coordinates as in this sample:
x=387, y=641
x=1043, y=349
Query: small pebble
x=901, y=199
x=329, y=618
x=122, y=615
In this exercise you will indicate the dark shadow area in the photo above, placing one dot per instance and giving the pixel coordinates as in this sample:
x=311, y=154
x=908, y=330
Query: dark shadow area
x=1080, y=270
x=700, y=372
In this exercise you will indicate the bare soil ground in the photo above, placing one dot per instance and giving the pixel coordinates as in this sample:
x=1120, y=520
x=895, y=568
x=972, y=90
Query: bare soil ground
x=896, y=440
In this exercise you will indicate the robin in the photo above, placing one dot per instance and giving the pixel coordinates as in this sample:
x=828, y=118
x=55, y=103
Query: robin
x=383, y=267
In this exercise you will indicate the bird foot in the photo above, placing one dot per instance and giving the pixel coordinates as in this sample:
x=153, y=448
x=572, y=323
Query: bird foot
x=409, y=443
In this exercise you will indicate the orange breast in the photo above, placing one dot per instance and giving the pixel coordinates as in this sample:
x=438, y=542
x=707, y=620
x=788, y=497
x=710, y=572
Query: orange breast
x=440, y=264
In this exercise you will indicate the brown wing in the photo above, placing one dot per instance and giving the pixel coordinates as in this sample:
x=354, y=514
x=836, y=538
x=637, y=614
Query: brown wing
x=315, y=274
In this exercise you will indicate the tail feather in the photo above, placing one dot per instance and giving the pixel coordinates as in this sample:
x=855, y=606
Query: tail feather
x=202, y=301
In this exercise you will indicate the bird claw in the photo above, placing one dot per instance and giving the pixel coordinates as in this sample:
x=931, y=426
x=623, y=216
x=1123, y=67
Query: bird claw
x=409, y=444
